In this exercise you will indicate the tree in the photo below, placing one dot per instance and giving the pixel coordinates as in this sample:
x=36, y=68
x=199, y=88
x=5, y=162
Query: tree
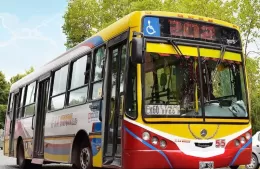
x=4, y=90
x=20, y=76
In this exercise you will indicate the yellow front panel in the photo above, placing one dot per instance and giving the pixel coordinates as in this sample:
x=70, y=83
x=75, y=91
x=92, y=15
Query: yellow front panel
x=191, y=51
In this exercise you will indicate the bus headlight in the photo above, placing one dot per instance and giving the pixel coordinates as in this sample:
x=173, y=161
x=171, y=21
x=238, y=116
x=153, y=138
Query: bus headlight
x=248, y=136
x=155, y=140
x=163, y=144
x=237, y=142
x=242, y=140
x=146, y=135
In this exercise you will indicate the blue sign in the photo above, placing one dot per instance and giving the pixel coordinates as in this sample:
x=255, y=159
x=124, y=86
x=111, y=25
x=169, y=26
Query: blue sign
x=151, y=26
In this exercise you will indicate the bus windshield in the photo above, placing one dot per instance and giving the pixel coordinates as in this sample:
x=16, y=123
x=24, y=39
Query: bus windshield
x=172, y=87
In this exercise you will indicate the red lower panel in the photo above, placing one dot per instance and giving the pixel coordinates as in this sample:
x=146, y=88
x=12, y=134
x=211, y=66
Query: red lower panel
x=139, y=153
x=153, y=159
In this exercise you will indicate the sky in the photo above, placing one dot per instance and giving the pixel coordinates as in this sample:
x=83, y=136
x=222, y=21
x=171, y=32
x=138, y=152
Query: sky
x=30, y=34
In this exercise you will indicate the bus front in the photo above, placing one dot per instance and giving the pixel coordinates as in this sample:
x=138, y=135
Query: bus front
x=191, y=92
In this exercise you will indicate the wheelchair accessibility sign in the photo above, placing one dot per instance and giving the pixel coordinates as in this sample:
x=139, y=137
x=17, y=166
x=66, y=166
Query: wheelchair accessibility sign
x=151, y=26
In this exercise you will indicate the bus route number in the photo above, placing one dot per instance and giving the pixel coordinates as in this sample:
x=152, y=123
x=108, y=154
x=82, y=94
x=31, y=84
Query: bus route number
x=162, y=109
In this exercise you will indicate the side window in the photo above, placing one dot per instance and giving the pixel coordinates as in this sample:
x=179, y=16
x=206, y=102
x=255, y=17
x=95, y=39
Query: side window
x=259, y=137
x=59, y=88
x=79, y=80
x=20, y=109
x=131, y=100
x=29, y=107
x=98, y=68
x=10, y=105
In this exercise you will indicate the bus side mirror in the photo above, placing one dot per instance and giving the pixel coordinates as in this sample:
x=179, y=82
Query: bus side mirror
x=137, y=50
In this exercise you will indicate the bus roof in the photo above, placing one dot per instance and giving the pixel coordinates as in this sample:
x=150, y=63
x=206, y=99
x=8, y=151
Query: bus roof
x=109, y=32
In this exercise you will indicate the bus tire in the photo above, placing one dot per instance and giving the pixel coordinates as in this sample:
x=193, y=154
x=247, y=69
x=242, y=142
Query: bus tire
x=234, y=167
x=21, y=161
x=84, y=157
x=254, y=163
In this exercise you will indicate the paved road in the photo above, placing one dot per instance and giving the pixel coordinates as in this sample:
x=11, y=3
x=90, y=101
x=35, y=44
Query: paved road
x=10, y=163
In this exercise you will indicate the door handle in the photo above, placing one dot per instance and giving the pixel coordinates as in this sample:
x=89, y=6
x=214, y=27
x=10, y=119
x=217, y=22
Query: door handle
x=32, y=121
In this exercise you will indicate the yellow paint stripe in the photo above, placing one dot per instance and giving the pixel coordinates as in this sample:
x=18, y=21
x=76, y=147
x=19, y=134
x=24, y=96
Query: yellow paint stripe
x=191, y=51
x=95, y=136
x=56, y=158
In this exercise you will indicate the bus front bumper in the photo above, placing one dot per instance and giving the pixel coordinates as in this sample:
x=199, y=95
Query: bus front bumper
x=178, y=160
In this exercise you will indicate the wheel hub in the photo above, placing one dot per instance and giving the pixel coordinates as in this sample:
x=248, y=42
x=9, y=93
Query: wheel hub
x=84, y=158
x=252, y=164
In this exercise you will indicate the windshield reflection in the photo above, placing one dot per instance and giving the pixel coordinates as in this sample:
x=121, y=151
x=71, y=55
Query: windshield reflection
x=172, y=87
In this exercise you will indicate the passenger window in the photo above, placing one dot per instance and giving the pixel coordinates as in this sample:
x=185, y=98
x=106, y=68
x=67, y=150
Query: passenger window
x=10, y=105
x=59, y=88
x=97, y=80
x=20, y=109
x=79, y=80
x=60, y=80
x=10, y=102
x=29, y=107
x=259, y=137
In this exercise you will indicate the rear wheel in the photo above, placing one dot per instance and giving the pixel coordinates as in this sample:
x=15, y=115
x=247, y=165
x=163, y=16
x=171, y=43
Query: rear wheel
x=21, y=161
x=254, y=164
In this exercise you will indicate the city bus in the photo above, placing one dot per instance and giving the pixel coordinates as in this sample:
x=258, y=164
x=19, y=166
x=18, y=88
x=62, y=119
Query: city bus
x=154, y=89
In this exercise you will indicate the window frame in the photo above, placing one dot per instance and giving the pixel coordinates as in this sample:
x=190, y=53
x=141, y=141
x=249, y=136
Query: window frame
x=21, y=102
x=68, y=90
x=10, y=101
x=92, y=82
x=52, y=78
x=25, y=96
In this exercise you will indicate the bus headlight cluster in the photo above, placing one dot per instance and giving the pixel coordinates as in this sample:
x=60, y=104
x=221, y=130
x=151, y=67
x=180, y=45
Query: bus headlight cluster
x=154, y=140
x=243, y=139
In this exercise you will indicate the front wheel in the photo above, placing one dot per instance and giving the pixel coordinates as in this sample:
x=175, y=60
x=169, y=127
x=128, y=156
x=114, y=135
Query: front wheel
x=84, y=158
x=254, y=163
x=234, y=167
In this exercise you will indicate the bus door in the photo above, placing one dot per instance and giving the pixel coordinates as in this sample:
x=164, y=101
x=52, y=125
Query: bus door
x=13, y=117
x=114, y=95
x=39, y=118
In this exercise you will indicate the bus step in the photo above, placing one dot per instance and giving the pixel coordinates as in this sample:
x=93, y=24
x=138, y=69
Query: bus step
x=116, y=162
x=108, y=160
x=118, y=155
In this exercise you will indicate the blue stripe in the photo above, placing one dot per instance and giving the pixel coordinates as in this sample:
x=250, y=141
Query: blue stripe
x=240, y=150
x=96, y=40
x=97, y=127
x=149, y=145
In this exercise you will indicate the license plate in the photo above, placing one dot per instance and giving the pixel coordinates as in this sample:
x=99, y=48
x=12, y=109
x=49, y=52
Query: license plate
x=206, y=165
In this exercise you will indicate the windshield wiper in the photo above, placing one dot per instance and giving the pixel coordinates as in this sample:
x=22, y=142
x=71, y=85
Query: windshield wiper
x=222, y=53
x=175, y=46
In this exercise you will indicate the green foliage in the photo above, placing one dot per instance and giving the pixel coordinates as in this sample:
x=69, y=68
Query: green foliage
x=20, y=76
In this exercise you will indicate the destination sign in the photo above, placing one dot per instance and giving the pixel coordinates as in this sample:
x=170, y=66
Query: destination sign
x=190, y=29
